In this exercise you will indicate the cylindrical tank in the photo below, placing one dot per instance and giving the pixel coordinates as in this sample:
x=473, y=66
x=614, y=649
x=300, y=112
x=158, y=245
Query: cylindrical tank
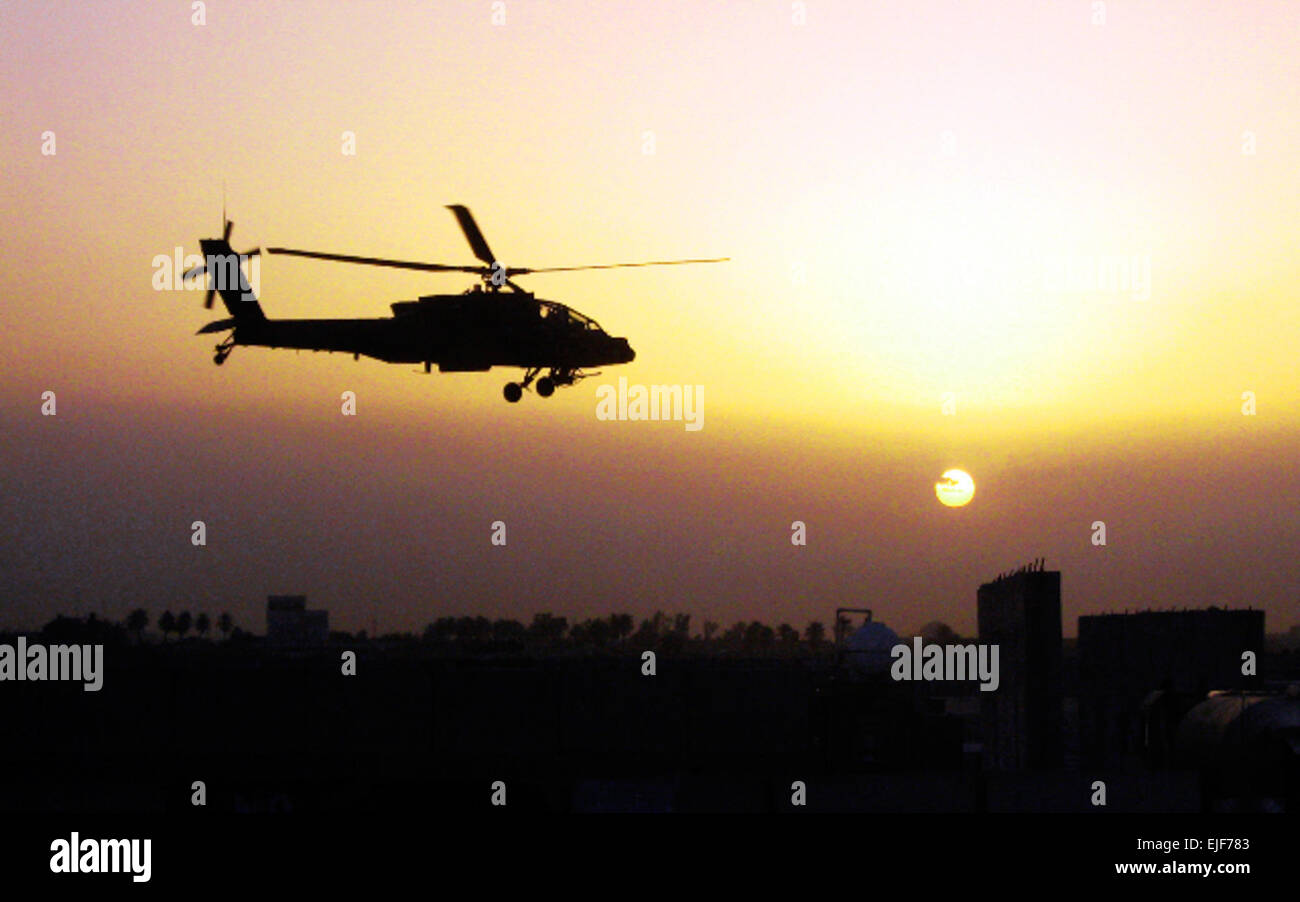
x=1234, y=728
x=867, y=651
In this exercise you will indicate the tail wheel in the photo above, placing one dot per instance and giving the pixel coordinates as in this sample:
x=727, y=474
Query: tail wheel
x=223, y=350
x=513, y=392
x=545, y=387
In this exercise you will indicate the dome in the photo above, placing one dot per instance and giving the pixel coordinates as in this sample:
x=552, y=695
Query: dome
x=867, y=650
x=1224, y=725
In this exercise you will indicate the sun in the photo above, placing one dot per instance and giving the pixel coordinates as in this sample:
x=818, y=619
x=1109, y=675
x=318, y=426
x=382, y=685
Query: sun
x=955, y=488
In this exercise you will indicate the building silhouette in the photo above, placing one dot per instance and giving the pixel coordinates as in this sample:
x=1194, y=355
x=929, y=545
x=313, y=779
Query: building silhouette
x=290, y=624
x=1020, y=612
x=1140, y=673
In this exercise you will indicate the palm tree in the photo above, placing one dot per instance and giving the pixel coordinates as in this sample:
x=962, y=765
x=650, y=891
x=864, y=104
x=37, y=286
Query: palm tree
x=225, y=623
x=710, y=627
x=202, y=624
x=167, y=623
x=647, y=634
x=548, y=628
x=183, y=624
x=758, y=636
x=596, y=632
x=508, y=631
x=621, y=626
x=788, y=635
x=136, y=621
x=815, y=634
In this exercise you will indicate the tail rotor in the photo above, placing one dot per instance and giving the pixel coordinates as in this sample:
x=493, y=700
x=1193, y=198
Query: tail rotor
x=214, y=248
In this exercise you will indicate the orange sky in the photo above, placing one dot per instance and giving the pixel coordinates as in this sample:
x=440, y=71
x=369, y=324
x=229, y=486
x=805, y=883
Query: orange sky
x=892, y=182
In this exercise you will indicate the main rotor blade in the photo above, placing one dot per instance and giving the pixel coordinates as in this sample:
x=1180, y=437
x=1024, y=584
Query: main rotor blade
x=527, y=270
x=472, y=234
x=375, y=261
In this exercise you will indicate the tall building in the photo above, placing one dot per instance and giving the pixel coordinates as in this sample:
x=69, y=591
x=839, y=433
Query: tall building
x=1139, y=674
x=1020, y=612
x=289, y=623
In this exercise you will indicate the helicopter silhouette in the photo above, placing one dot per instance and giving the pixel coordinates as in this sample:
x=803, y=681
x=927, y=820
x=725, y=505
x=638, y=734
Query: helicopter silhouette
x=494, y=323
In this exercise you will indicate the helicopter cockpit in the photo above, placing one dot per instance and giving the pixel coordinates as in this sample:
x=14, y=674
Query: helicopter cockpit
x=567, y=316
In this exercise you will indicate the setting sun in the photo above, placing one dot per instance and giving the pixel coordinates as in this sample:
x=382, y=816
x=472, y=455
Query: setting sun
x=955, y=488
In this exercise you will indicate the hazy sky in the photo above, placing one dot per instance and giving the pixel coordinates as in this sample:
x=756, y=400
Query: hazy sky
x=900, y=186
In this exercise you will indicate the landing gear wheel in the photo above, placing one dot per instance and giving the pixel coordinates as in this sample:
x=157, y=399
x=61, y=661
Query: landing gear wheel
x=223, y=351
x=513, y=392
x=545, y=387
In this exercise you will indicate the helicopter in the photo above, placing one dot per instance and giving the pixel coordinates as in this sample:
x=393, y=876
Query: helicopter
x=493, y=323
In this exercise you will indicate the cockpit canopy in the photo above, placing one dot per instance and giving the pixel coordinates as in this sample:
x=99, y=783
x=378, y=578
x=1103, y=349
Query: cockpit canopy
x=573, y=317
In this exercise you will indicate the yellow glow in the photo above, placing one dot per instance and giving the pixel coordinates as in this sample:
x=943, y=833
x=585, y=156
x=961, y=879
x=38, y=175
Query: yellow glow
x=881, y=261
x=955, y=488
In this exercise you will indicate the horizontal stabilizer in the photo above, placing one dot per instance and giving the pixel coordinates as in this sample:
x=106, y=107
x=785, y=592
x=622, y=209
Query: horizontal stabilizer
x=220, y=325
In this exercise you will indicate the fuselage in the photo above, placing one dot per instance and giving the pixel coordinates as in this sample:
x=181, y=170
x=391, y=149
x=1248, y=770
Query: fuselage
x=472, y=331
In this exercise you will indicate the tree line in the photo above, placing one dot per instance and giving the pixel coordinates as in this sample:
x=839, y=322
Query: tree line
x=668, y=632
x=168, y=623
x=546, y=632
